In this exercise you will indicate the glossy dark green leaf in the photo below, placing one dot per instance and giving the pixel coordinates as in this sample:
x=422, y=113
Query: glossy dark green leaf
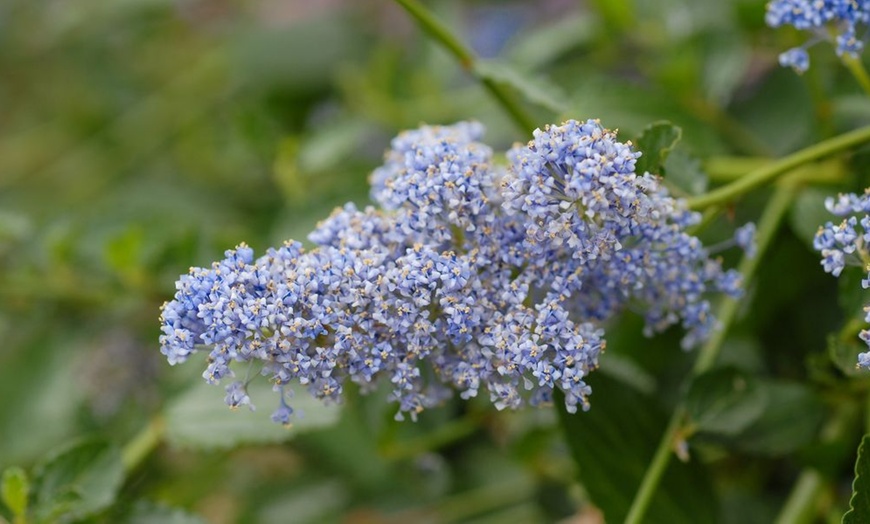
x=199, y=418
x=612, y=445
x=725, y=401
x=15, y=489
x=77, y=481
x=656, y=143
x=859, y=505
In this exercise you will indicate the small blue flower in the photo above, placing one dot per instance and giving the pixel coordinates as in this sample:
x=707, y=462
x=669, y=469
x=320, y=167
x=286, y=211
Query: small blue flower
x=837, y=21
x=744, y=236
x=796, y=58
x=846, y=244
x=237, y=395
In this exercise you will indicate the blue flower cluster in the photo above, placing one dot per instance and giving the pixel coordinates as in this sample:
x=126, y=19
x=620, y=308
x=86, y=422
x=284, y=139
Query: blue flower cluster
x=838, y=20
x=466, y=276
x=848, y=243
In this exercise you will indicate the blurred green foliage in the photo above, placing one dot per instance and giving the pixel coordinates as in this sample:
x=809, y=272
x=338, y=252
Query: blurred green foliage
x=141, y=137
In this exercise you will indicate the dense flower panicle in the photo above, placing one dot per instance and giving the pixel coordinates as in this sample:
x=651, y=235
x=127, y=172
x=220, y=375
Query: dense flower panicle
x=605, y=236
x=848, y=243
x=467, y=277
x=845, y=17
x=440, y=178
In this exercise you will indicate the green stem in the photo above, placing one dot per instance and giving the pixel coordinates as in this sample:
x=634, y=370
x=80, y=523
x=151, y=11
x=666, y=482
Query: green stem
x=769, y=223
x=764, y=174
x=467, y=59
x=856, y=67
x=729, y=169
x=799, y=506
x=143, y=443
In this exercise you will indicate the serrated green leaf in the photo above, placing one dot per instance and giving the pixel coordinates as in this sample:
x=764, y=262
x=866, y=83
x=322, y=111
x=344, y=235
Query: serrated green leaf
x=725, y=401
x=77, y=481
x=859, y=505
x=15, y=490
x=534, y=89
x=613, y=452
x=656, y=143
x=199, y=419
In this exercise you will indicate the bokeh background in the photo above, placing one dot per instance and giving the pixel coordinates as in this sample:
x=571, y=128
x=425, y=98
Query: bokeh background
x=141, y=137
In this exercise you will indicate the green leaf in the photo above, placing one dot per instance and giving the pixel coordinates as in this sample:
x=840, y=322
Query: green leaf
x=656, y=143
x=791, y=420
x=808, y=214
x=725, y=401
x=535, y=89
x=541, y=46
x=621, y=105
x=844, y=354
x=852, y=296
x=684, y=170
x=618, y=15
x=77, y=481
x=15, y=489
x=330, y=146
x=859, y=505
x=123, y=251
x=612, y=445
x=199, y=419
x=145, y=512
x=37, y=380
x=727, y=58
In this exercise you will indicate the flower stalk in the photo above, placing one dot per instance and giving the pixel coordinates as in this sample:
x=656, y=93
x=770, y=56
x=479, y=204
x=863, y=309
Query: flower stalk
x=468, y=60
x=768, y=225
x=766, y=173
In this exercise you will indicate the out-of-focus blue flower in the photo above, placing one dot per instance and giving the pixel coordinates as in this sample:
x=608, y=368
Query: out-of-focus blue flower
x=797, y=58
x=848, y=243
x=838, y=21
x=744, y=236
x=467, y=277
